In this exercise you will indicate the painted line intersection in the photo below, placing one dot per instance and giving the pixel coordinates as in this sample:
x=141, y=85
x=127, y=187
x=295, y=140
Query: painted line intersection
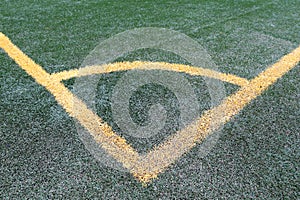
x=147, y=166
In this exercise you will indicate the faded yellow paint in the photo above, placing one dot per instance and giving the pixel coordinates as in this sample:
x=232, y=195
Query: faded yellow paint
x=148, y=166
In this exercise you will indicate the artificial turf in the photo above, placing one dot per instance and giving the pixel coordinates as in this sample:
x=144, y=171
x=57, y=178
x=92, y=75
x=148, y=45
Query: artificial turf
x=257, y=155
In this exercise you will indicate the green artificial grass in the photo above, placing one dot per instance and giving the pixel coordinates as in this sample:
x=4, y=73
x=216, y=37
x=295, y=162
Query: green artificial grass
x=257, y=155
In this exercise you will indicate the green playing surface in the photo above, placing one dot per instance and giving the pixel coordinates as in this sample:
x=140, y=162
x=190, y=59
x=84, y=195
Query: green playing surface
x=257, y=155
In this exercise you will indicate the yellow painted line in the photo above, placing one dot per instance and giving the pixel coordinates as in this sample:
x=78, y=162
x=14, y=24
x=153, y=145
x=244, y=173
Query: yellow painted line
x=36, y=71
x=157, y=160
x=103, y=134
x=148, y=166
x=122, y=66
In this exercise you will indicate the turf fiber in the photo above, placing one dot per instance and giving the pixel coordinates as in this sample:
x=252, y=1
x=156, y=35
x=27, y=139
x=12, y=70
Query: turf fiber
x=257, y=155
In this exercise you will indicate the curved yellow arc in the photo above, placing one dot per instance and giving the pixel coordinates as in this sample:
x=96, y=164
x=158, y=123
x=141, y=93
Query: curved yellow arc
x=144, y=65
x=148, y=166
